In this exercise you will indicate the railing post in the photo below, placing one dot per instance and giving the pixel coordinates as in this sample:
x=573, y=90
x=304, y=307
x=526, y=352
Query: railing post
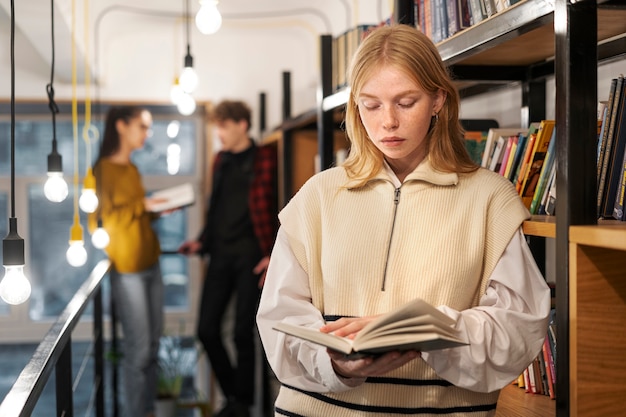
x=98, y=352
x=114, y=359
x=63, y=379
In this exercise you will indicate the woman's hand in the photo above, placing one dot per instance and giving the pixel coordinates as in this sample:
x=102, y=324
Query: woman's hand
x=364, y=366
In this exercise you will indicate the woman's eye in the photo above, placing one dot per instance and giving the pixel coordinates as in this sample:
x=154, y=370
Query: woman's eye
x=406, y=104
x=370, y=105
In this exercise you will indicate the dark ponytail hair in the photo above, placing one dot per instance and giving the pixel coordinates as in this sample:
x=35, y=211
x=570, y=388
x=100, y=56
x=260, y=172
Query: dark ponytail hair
x=111, y=138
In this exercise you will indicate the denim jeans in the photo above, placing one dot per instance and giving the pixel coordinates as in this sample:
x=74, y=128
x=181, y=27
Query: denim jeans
x=138, y=301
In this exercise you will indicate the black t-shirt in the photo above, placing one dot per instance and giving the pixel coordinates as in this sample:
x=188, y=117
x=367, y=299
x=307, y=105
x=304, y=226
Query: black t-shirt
x=232, y=230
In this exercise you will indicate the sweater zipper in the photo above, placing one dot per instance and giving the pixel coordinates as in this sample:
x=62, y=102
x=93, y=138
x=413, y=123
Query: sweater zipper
x=396, y=201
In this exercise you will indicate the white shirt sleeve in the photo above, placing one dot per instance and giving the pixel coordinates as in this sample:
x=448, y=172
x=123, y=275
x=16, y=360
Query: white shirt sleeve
x=286, y=297
x=497, y=351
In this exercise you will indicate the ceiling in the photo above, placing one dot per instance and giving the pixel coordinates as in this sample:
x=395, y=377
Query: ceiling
x=109, y=40
x=33, y=19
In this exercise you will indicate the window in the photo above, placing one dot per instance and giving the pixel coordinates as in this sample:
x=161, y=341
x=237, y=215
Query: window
x=45, y=226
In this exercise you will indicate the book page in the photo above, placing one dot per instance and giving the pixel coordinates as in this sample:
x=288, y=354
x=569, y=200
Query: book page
x=175, y=197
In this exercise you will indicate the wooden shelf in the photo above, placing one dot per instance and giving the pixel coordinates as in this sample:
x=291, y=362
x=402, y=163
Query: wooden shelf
x=541, y=226
x=597, y=308
x=609, y=234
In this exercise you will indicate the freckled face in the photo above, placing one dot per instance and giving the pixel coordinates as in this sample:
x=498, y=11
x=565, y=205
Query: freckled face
x=396, y=113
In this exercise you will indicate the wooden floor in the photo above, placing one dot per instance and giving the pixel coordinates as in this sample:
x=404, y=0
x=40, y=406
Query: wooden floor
x=514, y=402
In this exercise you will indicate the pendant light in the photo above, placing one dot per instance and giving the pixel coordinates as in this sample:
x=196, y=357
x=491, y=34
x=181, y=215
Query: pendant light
x=208, y=18
x=76, y=254
x=186, y=104
x=14, y=287
x=55, y=188
x=88, y=199
x=188, y=78
x=176, y=91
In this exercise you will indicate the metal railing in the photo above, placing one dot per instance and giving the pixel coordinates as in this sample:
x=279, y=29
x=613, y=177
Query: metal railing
x=55, y=353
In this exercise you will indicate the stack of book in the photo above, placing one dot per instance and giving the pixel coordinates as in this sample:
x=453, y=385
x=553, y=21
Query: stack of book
x=612, y=152
x=526, y=158
x=540, y=376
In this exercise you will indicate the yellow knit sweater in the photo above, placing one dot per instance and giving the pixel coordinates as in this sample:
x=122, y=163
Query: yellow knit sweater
x=368, y=250
x=134, y=245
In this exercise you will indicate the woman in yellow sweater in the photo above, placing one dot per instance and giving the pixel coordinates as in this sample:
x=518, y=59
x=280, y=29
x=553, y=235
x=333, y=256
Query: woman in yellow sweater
x=136, y=284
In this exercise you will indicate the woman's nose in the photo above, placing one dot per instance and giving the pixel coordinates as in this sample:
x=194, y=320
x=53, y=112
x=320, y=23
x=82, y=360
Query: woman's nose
x=390, y=121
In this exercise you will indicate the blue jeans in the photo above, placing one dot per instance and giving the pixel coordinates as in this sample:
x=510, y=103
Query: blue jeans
x=138, y=300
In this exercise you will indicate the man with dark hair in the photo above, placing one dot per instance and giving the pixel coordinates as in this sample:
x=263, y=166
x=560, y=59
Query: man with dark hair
x=238, y=235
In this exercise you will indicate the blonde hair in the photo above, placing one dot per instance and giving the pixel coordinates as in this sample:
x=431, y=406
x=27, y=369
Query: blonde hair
x=409, y=50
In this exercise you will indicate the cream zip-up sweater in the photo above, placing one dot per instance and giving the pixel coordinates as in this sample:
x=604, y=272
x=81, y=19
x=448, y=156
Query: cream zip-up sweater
x=367, y=250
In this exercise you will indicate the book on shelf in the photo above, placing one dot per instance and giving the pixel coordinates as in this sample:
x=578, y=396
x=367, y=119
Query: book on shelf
x=546, y=192
x=508, y=164
x=493, y=135
x=415, y=325
x=609, y=153
x=549, y=366
x=614, y=158
x=523, y=152
x=475, y=141
x=524, y=163
x=619, y=171
x=550, y=205
x=498, y=153
x=520, y=148
x=172, y=198
x=537, y=158
x=544, y=175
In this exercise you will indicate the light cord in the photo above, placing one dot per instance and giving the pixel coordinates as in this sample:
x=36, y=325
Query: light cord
x=74, y=113
x=12, y=109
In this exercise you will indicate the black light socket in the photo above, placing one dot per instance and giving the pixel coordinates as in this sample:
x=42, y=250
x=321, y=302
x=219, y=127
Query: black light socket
x=13, y=246
x=55, y=162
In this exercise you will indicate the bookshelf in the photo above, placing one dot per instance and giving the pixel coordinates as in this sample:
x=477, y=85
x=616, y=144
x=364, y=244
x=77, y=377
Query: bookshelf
x=526, y=43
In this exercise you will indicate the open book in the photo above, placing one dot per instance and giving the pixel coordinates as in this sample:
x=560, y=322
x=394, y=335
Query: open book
x=171, y=198
x=416, y=325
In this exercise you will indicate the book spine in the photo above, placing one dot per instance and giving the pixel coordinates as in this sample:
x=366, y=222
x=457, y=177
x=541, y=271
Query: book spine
x=543, y=176
x=524, y=163
x=615, y=157
x=529, y=183
x=608, y=148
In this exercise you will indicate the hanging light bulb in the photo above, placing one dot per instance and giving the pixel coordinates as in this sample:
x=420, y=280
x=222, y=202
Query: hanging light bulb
x=208, y=18
x=76, y=254
x=188, y=78
x=55, y=188
x=173, y=128
x=88, y=201
x=100, y=238
x=176, y=91
x=14, y=288
x=186, y=105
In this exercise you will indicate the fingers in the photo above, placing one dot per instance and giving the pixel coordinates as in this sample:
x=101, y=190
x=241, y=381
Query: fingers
x=346, y=326
x=371, y=365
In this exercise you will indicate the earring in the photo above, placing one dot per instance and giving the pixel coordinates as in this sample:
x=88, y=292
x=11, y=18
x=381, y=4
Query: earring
x=436, y=116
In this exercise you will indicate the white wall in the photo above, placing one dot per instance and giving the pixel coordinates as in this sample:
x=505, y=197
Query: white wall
x=504, y=105
x=137, y=55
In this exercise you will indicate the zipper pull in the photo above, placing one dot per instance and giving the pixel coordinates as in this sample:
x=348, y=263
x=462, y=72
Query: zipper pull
x=396, y=198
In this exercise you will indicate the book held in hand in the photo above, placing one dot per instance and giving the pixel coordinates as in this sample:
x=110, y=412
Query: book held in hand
x=416, y=325
x=172, y=198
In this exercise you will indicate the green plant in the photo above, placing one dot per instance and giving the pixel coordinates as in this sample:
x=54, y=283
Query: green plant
x=175, y=362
